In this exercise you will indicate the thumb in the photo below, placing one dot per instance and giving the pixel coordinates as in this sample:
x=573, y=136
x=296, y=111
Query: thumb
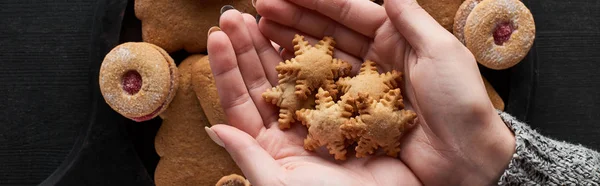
x=416, y=25
x=257, y=164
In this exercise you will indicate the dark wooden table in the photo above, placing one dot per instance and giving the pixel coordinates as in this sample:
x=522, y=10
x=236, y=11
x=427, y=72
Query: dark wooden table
x=51, y=133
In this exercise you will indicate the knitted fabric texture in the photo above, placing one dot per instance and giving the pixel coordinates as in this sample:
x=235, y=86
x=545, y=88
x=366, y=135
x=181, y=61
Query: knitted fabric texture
x=539, y=160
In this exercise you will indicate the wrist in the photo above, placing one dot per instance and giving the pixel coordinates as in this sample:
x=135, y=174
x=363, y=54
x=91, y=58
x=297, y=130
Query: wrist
x=489, y=153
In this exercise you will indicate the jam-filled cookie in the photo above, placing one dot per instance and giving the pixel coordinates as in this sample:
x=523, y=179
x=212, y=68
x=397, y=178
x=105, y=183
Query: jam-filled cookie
x=498, y=32
x=138, y=80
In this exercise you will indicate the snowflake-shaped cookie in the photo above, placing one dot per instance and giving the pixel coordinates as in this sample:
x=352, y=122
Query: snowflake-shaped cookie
x=380, y=124
x=314, y=67
x=369, y=81
x=324, y=124
x=283, y=96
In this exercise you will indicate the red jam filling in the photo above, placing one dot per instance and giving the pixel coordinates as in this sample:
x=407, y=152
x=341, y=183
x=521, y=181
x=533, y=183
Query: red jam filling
x=147, y=117
x=502, y=33
x=132, y=82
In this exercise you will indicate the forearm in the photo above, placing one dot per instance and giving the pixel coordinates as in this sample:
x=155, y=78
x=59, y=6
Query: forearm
x=539, y=160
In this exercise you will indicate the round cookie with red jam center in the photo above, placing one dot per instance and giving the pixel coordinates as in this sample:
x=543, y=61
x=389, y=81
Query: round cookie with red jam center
x=138, y=80
x=499, y=33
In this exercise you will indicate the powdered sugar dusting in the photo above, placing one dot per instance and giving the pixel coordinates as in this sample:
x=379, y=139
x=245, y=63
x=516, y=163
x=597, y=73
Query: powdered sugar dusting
x=123, y=54
x=501, y=33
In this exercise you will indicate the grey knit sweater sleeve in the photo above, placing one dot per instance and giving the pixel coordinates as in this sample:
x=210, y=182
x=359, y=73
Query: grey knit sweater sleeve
x=539, y=160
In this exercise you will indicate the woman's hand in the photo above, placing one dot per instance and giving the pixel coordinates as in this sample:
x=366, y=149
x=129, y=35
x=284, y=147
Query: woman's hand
x=460, y=138
x=243, y=62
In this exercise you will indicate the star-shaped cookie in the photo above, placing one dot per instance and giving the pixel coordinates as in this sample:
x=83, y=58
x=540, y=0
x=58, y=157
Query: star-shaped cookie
x=324, y=124
x=369, y=81
x=283, y=96
x=314, y=67
x=380, y=124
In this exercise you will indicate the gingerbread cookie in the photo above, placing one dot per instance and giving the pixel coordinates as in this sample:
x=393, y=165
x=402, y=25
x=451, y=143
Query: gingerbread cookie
x=283, y=96
x=324, y=124
x=380, y=124
x=369, y=81
x=206, y=89
x=187, y=154
x=138, y=80
x=233, y=180
x=182, y=24
x=314, y=67
x=498, y=32
x=443, y=11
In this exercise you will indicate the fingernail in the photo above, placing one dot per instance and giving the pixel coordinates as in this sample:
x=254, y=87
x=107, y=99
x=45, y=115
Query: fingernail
x=254, y=3
x=258, y=17
x=214, y=136
x=225, y=8
x=213, y=29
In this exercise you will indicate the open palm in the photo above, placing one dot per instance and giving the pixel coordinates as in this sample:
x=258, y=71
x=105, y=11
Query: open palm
x=243, y=62
x=460, y=139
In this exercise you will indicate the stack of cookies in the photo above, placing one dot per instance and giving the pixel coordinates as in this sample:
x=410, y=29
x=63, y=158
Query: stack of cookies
x=369, y=112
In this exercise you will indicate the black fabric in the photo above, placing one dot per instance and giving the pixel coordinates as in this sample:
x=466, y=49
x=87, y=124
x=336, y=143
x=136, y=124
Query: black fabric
x=45, y=84
x=56, y=128
x=566, y=101
x=55, y=131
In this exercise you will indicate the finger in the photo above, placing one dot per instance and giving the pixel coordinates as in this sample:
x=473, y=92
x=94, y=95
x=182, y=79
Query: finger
x=250, y=67
x=257, y=164
x=415, y=24
x=314, y=24
x=235, y=99
x=362, y=16
x=283, y=36
x=269, y=57
x=388, y=49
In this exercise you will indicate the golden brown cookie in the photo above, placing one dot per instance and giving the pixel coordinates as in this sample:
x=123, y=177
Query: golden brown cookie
x=314, y=67
x=283, y=96
x=380, y=124
x=443, y=11
x=493, y=95
x=138, y=80
x=311, y=68
x=324, y=124
x=499, y=33
x=182, y=24
x=369, y=81
x=233, y=180
x=206, y=89
x=460, y=19
x=187, y=154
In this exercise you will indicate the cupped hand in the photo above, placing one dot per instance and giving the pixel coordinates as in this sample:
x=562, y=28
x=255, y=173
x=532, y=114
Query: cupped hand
x=460, y=138
x=243, y=63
